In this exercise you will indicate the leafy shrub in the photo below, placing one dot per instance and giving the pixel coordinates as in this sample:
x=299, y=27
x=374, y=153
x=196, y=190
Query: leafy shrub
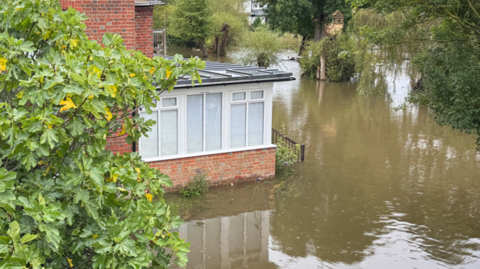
x=285, y=155
x=262, y=48
x=339, y=61
x=198, y=186
x=64, y=200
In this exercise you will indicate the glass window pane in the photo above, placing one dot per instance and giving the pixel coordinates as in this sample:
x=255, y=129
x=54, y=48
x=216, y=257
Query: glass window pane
x=168, y=132
x=238, y=126
x=238, y=96
x=166, y=102
x=213, y=111
x=256, y=95
x=194, y=123
x=255, y=124
x=149, y=145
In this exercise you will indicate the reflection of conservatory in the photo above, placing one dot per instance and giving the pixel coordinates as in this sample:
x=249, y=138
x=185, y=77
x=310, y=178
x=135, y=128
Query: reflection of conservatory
x=229, y=242
x=222, y=127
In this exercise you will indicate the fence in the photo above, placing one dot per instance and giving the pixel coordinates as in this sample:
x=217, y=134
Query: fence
x=300, y=151
x=160, y=42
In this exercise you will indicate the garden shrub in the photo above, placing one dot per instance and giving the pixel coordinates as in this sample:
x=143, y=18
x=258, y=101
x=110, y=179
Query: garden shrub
x=64, y=200
x=198, y=186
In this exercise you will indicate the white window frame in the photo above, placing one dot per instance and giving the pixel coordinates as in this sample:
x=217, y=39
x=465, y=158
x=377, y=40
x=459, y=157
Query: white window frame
x=248, y=100
x=227, y=101
x=159, y=108
x=204, y=144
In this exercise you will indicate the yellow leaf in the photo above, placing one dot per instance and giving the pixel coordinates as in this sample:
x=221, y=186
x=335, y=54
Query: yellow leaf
x=109, y=179
x=123, y=130
x=3, y=64
x=132, y=75
x=70, y=262
x=108, y=115
x=138, y=170
x=149, y=196
x=20, y=95
x=168, y=73
x=46, y=35
x=67, y=104
x=95, y=236
x=74, y=42
x=40, y=162
x=97, y=71
x=115, y=178
x=112, y=90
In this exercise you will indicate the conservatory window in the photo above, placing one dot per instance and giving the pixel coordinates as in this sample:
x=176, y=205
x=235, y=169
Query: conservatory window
x=247, y=119
x=162, y=140
x=204, y=122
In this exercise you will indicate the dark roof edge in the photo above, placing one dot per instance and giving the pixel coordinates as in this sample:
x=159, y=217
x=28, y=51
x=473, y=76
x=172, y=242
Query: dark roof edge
x=188, y=86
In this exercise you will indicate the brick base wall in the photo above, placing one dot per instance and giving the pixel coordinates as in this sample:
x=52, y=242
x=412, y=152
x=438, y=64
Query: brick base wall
x=221, y=168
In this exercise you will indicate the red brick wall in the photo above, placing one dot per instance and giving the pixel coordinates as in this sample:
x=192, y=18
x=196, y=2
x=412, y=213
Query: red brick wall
x=144, y=30
x=134, y=24
x=221, y=168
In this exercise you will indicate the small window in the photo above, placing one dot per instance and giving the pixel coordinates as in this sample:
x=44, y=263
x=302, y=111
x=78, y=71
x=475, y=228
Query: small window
x=168, y=102
x=256, y=95
x=238, y=96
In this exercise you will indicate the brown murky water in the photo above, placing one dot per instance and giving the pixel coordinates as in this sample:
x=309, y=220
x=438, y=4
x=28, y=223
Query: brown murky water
x=379, y=189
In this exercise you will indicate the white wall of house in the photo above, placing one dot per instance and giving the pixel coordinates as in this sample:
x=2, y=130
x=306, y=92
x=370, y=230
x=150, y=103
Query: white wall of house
x=209, y=120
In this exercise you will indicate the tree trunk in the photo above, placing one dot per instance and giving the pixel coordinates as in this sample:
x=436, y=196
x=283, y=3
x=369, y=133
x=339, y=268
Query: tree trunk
x=215, y=46
x=302, y=46
x=225, y=36
x=203, y=49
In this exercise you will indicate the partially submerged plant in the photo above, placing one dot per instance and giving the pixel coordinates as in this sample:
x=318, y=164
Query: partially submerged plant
x=198, y=186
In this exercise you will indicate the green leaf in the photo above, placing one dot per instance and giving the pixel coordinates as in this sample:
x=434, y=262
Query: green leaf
x=28, y=237
x=14, y=231
x=50, y=135
x=52, y=234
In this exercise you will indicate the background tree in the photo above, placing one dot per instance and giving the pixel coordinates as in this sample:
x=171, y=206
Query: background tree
x=191, y=20
x=442, y=40
x=64, y=200
x=304, y=17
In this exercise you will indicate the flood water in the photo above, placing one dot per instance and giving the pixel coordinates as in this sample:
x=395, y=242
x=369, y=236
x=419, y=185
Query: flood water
x=379, y=189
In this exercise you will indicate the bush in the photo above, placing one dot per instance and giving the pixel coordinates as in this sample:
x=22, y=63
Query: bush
x=339, y=61
x=262, y=48
x=64, y=200
x=284, y=155
x=198, y=186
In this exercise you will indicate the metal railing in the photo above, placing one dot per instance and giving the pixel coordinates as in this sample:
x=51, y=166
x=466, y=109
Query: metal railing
x=300, y=150
x=160, y=42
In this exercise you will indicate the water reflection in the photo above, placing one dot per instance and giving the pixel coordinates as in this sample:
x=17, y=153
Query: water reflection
x=379, y=189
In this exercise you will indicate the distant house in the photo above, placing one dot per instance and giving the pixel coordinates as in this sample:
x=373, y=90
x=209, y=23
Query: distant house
x=256, y=11
x=222, y=127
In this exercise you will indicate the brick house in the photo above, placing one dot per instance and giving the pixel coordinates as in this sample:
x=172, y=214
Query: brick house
x=222, y=127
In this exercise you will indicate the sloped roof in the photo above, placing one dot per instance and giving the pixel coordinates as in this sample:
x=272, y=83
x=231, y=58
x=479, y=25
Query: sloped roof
x=216, y=73
x=139, y=3
x=337, y=12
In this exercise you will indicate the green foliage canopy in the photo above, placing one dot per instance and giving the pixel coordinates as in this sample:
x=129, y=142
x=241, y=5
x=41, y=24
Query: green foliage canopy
x=64, y=200
x=298, y=16
x=191, y=20
x=442, y=40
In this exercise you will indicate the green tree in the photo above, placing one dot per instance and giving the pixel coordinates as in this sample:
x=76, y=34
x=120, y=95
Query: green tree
x=304, y=17
x=262, y=48
x=64, y=200
x=192, y=20
x=442, y=39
